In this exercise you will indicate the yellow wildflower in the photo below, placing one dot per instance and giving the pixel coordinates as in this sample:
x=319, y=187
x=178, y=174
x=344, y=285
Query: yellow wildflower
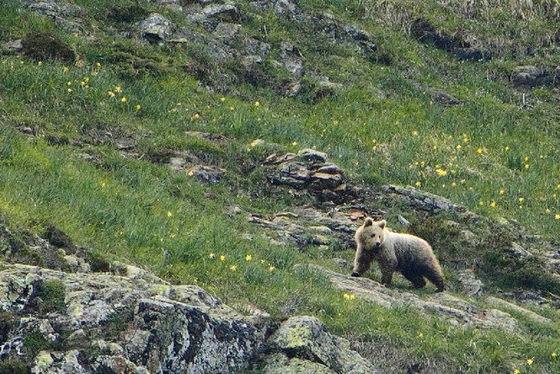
x=271, y=268
x=294, y=144
x=40, y=63
x=458, y=146
x=248, y=258
x=493, y=204
x=501, y=192
x=123, y=99
x=415, y=133
x=169, y=214
x=111, y=93
x=557, y=216
x=529, y=361
x=98, y=64
x=441, y=172
x=138, y=107
x=553, y=354
x=118, y=89
x=479, y=151
x=233, y=267
x=257, y=103
x=212, y=255
x=418, y=184
x=222, y=258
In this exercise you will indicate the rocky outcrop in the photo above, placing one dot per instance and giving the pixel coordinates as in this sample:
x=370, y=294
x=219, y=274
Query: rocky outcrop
x=443, y=305
x=423, y=30
x=423, y=200
x=309, y=170
x=58, y=322
x=303, y=346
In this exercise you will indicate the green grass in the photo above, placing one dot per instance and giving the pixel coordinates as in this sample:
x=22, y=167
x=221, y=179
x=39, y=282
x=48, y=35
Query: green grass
x=490, y=154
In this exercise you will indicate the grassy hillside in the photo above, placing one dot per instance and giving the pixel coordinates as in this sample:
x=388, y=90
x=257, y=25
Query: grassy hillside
x=85, y=132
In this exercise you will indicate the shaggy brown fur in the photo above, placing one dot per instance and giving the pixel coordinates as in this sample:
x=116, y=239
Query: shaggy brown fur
x=408, y=254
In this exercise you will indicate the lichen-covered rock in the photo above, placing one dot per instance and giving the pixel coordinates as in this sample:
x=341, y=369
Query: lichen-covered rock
x=138, y=323
x=309, y=170
x=156, y=28
x=424, y=200
x=304, y=338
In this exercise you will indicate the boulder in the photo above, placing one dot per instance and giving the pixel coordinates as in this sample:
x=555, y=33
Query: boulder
x=304, y=340
x=156, y=28
x=309, y=170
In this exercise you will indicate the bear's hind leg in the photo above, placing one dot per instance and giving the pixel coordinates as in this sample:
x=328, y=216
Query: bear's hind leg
x=417, y=279
x=437, y=279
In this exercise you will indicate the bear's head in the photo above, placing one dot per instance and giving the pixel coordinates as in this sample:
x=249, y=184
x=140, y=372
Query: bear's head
x=371, y=234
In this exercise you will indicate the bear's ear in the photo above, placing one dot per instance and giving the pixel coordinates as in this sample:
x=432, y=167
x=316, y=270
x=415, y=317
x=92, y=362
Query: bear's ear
x=368, y=222
x=382, y=224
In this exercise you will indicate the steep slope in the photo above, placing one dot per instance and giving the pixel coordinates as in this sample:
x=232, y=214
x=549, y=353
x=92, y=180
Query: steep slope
x=236, y=146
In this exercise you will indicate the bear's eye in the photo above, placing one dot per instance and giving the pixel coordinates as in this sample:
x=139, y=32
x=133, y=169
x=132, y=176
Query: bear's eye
x=373, y=235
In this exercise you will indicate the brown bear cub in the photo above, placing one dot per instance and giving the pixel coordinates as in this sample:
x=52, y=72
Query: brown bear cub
x=409, y=254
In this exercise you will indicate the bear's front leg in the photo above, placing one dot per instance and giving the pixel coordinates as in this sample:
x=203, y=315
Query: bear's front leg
x=362, y=262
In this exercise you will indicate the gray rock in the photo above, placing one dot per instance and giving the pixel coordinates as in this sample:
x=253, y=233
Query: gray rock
x=424, y=200
x=516, y=250
x=228, y=12
x=469, y=283
x=156, y=28
x=210, y=174
x=14, y=45
x=138, y=323
x=443, y=305
x=525, y=75
x=517, y=309
x=445, y=98
x=309, y=170
x=226, y=30
x=306, y=338
x=312, y=155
